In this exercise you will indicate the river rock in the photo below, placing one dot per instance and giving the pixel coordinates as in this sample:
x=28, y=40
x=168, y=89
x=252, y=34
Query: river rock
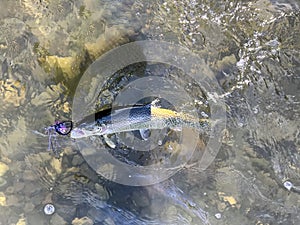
x=56, y=164
x=82, y=221
x=3, y=168
x=2, y=199
x=14, y=91
x=21, y=221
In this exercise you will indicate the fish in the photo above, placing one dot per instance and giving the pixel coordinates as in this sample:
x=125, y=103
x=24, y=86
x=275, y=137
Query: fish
x=138, y=117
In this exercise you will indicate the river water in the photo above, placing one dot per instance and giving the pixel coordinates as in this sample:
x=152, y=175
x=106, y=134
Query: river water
x=253, y=51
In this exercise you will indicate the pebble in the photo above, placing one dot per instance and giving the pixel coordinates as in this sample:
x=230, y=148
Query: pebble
x=2, y=199
x=56, y=164
x=21, y=221
x=14, y=91
x=231, y=200
x=3, y=168
x=49, y=209
x=82, y=221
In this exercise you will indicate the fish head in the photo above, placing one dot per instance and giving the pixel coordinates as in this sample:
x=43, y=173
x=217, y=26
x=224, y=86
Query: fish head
x=85, y=130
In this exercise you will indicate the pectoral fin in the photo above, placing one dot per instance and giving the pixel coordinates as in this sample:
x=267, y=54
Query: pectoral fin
x=109, y=142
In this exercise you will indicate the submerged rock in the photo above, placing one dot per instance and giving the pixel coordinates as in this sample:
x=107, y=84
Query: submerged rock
x=82, y=221
x=3, y=168
x=2, y=199
x=13, y=91
x=21, y=221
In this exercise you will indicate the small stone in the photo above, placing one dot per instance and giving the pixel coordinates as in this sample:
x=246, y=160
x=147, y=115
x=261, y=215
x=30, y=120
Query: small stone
x=288, y=185
x=49, y=209
x=231, y=200
x=2, y=199
x=21, y=221
x=218, y=216
x=56, y=164
x=82, y=221
x=66, y=107
x=3, y=168
x=14, y=91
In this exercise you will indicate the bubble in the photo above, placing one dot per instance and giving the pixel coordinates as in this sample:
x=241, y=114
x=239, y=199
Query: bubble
x=49, y=209
x=288, y=185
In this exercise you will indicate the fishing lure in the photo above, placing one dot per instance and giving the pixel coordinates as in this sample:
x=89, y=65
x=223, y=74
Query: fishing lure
x=61, y=128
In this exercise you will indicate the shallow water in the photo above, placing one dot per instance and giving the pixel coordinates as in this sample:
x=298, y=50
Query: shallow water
x=253, y=50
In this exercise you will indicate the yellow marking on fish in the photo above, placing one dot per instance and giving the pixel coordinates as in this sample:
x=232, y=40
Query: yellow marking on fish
x=167, y=113
x=163, y=113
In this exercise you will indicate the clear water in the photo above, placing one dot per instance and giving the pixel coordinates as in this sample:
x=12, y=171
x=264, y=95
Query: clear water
x=253, y=49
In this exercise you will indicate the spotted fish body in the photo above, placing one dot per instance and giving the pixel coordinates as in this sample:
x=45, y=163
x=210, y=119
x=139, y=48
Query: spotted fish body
x=140, y=117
